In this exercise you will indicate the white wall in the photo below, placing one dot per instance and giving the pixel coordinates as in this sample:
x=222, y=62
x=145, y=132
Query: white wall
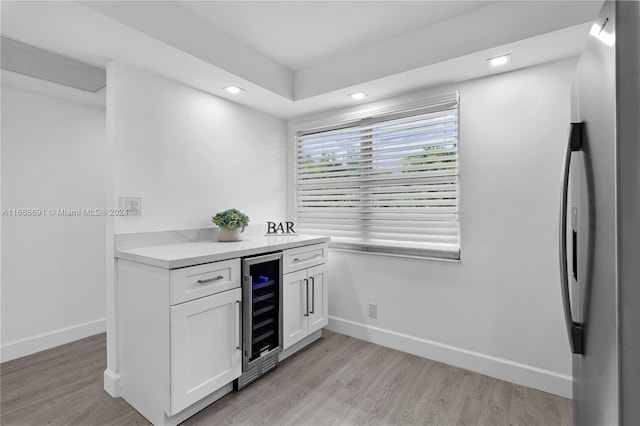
x=499, y=310
x=191, y=154
x=53, y=273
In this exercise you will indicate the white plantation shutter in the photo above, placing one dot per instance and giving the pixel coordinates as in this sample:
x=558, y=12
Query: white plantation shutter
x=387, y=183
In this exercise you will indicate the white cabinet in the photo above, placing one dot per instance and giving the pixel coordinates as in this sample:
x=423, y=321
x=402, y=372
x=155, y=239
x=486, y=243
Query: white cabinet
x=202, y=280
x=304, y=294
x=304, y=257
x=179, y=329
x=180, y=336
x=294, y=308
x=319, y=310
x=205, y=347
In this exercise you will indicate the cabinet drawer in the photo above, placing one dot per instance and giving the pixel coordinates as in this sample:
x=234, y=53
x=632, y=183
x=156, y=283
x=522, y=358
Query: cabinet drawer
x=304, y=257
x=202, y=280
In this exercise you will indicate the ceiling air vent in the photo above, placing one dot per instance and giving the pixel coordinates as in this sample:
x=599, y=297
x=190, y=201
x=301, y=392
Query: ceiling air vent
x=35, y=62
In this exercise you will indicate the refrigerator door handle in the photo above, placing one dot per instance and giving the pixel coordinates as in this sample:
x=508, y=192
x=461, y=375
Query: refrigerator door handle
x=574, y=329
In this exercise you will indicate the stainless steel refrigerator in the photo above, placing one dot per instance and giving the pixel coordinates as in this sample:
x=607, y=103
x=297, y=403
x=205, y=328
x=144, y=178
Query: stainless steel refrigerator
x=600, y=222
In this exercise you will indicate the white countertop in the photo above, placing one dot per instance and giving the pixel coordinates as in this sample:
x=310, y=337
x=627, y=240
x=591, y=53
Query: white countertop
x=171, y=256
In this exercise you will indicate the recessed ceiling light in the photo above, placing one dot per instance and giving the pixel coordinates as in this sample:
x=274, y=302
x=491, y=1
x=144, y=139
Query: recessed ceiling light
x=598, y=32
x=499, y=61
x=234, y=89
x=358, y=95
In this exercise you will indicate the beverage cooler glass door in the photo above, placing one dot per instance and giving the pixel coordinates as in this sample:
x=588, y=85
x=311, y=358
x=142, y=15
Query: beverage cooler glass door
x=262, y=298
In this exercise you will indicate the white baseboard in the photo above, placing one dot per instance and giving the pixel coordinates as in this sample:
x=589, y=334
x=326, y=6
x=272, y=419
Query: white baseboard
x=41, y=342
x=111, y=383
x=521, y=374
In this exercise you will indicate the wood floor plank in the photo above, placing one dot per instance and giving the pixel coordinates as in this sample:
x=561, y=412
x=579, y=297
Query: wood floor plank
x=62, y=386
x=337, y=380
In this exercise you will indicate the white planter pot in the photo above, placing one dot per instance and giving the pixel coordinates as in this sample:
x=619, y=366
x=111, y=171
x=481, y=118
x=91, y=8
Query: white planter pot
x=230, y=234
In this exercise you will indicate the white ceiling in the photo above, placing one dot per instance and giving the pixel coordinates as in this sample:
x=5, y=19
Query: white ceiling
x=300, y=34
x=301, y=57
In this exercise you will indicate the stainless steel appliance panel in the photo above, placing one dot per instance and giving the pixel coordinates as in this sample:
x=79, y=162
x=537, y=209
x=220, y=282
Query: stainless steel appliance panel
x=628, y=173
x=261, y=315
x=603, y=211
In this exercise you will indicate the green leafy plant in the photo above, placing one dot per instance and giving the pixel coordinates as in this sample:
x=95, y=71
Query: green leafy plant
x=231, y=218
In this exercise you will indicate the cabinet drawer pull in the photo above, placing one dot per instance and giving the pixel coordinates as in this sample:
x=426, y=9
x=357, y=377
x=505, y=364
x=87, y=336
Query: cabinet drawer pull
x=307, y=258
x=306, y=295
x=313, y=295
x=239, y=306
x=208, y=280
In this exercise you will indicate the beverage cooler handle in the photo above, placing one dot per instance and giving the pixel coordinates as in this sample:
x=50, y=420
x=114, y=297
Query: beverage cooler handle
x=248, y=318
x=574, y=329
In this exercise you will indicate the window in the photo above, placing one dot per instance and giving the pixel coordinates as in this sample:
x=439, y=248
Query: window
x=387, y=183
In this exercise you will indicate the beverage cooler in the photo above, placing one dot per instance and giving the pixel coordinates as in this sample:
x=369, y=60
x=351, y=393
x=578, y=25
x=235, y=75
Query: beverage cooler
x=261, y=316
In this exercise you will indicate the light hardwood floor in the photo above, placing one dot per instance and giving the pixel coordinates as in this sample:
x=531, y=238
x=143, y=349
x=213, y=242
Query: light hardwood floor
x=336, y=381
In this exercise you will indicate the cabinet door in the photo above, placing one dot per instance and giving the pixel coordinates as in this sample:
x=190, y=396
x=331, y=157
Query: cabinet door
x=294, y=308
x=318, y=306
x=205, y=342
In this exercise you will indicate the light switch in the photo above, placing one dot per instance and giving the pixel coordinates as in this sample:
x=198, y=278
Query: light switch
x=133, y=205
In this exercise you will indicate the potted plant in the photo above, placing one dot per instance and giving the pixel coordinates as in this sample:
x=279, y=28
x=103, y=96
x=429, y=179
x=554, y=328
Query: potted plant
x=231, y=223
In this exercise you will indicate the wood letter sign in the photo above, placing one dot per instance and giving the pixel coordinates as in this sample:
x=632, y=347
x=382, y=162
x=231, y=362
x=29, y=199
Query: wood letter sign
x=280, y=228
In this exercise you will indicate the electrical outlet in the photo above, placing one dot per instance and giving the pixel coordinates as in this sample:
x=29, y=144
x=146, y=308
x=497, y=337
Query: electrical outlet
x=133, y=205
x=373, y=310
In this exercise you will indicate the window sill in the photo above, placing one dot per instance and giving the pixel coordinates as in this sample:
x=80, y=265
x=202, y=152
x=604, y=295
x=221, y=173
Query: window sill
x=437, y=252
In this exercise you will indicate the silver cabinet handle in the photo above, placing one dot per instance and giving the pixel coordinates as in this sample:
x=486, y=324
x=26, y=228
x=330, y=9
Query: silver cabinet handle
x=573, y=329
x=295, y=259
x=239, y=306
x=208, y=280
x=306, y=283
x=313, y=294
